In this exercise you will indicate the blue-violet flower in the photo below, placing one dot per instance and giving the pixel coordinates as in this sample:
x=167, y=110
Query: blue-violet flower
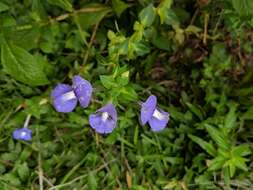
x=22, y=134
x=150, y=113
x=104, y=120
x=65, y=97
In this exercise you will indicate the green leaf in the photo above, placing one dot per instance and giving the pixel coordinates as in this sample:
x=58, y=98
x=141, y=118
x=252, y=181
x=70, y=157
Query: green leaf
x=107, y=81
x=209, y=148
x=3, y=7
x=195, y=109
x=218, y=137
x=166, y=14
x=64, y=4
x=248, y=114
x=241, y=150
x=92, y=182
x=23, y=171
x=240, y=163
x=94, y=13
x=243, y=7
x=119, y=6
x=22, y=66
x=230, y=120
x=128, y=93
x=147, y=15
x=217, y=163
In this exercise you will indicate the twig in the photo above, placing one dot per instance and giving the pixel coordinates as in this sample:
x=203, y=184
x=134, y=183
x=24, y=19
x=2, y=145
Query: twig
x=86, y=55
x=40, y=172
x=205, y=27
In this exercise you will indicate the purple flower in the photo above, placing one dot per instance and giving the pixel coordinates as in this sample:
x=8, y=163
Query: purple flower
x=22, y=134
x=65, y=97
x=156, y=117
x=104, y=120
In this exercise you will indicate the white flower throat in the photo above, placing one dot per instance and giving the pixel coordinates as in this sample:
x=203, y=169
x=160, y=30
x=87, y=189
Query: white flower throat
x=158, y=115
x=23, y=134
x=68, y=96
x=105, y=116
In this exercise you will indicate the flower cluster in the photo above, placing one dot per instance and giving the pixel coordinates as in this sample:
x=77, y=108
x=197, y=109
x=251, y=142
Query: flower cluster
x=104, y=120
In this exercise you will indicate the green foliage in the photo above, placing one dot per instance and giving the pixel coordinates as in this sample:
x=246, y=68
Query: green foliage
x=22, y=66
x=195, y=56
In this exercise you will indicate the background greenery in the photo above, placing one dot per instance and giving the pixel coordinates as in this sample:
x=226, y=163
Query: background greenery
x=194, y=55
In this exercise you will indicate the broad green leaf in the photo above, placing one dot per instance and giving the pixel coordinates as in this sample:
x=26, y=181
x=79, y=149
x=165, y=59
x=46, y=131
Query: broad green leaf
x=160, y=41
x=91, y=15
x=119, y=6
x=3, y=7
x=22, y=66
x=147, y=15
x=243, y=7
x=22, y=36
x=166, y=14
x=38, y=8
x=64, y=4
x=221, y=140
x=107, y=81
x=209, y=148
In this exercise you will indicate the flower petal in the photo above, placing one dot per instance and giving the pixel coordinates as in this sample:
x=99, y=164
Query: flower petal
x=159, y=123
x=22, y=134
x=147, y=109
x=60, y=89
x=83, y=90
x=64, y=99
x=100, y=126
x=110, y=109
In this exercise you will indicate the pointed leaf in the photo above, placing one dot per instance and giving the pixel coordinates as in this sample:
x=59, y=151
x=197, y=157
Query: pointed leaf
x=217, y=163
x=119, y=6
x=64, y=4
x=241, y=150
x=218, y=137
x=209, y=148
x=147, y=15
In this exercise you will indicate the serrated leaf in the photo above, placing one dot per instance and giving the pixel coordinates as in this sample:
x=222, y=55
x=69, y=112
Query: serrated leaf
x=64, y=4
x=209, y=148
x=22, y=66
x=119, y=6
x=147, y=15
